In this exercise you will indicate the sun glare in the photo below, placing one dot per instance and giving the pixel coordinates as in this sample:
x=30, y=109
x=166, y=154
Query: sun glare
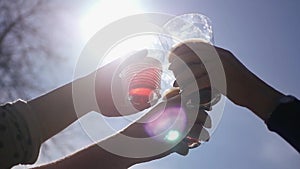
x=105, y=12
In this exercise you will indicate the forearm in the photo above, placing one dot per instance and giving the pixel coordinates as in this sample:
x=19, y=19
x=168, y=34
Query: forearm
x=95, y=156
x=246, y=89
x=90, y=157
x=262, y=98
x=55, y=110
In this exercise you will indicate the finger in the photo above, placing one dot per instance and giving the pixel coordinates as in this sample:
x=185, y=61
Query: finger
x=193, y=85
x=192, y=48
x=195, y=131
x=193, y=71
x=179, y=50
x=172, y=92
x=199, y=132
x=189, y=57
x=192, y=142
x=158, y=111
x=203, y=118
x=179, y=64
x=197, y=69
x=175, y=84
x=133, y=56
x=203, y=99
x=204, y=135
x=181, y=148
x=139, y=58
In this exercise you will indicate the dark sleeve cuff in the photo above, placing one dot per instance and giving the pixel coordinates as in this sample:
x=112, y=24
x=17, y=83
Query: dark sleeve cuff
x=20, y=136
x=285, y=121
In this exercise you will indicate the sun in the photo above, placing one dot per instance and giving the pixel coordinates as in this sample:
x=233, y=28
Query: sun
x=104, y=12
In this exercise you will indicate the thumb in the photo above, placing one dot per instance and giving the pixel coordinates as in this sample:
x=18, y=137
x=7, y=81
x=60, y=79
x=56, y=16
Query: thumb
x=132, y=57
x=135, y=55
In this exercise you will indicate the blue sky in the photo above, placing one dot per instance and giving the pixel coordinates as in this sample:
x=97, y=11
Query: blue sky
x=264, y=35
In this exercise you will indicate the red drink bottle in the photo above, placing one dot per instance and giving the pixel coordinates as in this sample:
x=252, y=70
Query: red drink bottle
x=142, y=81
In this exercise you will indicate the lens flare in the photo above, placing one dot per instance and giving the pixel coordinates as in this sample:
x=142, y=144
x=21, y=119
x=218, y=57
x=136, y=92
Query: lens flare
x=172, y=135
x=169, y=125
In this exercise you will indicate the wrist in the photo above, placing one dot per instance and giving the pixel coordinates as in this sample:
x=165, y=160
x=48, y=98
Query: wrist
x=137, y=147
x=263, y=100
